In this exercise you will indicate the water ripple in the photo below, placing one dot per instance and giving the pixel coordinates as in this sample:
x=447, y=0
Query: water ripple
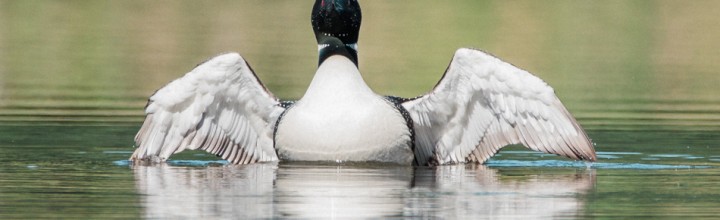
x=491, y=163
x=582, y=164
x=185, y=163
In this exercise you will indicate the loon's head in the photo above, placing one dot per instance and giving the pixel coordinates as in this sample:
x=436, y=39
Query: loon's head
x=330, y=46
x=339, y=19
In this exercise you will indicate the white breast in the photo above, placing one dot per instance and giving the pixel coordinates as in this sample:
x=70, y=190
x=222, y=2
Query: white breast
x=341, y=119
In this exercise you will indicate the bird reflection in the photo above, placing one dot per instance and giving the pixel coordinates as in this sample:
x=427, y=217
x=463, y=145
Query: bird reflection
x=473, y=191
x=226, y=192
x=330, y=191
x=342, y=191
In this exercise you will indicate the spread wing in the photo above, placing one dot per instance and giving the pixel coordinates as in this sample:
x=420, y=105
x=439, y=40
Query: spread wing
x=483, y=104
x=220, y=107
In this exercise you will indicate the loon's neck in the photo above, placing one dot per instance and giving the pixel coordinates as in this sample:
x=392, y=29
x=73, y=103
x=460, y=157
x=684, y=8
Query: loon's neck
x=336, y=47
x=337, y=77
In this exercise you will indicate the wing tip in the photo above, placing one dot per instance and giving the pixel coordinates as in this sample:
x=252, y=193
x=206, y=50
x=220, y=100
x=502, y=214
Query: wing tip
x=464, y=51
x=229, y=56
x=584, y=156
x=584, y=151
x=590, y=156
x=225, y=59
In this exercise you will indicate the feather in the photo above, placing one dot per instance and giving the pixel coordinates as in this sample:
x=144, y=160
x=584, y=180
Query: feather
x=510, y=106
x=220, y=107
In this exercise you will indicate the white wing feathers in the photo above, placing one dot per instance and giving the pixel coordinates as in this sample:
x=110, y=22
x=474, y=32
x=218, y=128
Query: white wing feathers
x=220, y=107
x=483, y=104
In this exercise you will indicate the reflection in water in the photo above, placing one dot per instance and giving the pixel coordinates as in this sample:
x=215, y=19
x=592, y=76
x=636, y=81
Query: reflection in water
x=478, y=191
x=342, y=191
x=292, y=190
x=225, y=192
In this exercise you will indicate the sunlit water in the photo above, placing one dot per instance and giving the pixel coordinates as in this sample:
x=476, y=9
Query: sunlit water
x=641, y=77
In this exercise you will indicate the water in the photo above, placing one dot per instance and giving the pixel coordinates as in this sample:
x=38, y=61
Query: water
x=641, y=77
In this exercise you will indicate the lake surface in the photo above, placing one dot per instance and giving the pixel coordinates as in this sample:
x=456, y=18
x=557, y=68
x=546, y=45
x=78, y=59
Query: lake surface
x=640, y=76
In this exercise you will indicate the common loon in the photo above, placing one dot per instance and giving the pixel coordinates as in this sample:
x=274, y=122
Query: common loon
x=480, y=105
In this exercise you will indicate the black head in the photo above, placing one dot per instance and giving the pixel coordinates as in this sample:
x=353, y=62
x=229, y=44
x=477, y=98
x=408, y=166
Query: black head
x=330, y=46
x=336, y=18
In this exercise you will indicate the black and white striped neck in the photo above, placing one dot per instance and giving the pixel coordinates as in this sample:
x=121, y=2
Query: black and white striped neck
x=330, y=46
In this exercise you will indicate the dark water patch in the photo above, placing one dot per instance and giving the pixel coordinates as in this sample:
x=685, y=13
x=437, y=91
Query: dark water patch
x=619, y=153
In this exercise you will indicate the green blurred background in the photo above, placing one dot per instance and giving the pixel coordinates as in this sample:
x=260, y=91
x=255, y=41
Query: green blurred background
x=615, y=64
